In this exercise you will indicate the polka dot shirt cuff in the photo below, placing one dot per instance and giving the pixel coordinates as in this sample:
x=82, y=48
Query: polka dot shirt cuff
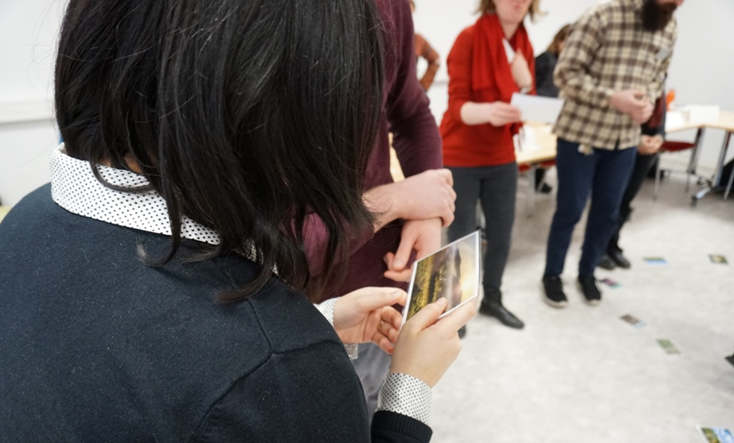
x=406, y=395
x=327, y=310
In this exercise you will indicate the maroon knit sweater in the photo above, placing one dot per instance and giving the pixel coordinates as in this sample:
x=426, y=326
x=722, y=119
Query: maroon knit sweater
x=416, y=140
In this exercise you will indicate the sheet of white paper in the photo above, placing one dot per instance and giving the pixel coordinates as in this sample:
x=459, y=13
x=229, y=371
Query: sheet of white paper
x=538, y=109
x=674, y=120
x=698, y=114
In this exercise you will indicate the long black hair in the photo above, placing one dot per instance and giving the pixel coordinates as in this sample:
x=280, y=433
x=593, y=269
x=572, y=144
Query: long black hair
x=248, y=116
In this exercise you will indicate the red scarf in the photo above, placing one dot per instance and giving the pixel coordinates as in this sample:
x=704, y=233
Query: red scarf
x=489, y=58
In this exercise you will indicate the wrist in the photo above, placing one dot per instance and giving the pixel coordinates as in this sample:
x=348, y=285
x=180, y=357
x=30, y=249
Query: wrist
x=383, y=202
x=487, y=110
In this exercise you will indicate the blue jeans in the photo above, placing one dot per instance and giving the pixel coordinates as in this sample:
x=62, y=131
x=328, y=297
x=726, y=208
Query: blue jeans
x=604, y=175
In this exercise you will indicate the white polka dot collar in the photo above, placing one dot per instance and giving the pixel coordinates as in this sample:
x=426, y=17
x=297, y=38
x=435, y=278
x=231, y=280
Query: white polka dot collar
x=75, y=188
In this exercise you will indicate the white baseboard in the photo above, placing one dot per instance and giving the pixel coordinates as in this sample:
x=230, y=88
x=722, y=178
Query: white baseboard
x=25, y=111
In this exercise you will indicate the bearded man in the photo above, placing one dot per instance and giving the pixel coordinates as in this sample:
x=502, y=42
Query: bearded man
x=610, y=72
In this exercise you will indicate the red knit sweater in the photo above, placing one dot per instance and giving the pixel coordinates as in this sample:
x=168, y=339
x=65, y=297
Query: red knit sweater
x=480, y=145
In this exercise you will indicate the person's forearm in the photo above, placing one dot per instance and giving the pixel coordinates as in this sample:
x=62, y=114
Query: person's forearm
x=583, y=88
x=381, y=201
x=384, y=203
x=416, y=139
x=429, y=75
x=571, y=72
x=473, y=113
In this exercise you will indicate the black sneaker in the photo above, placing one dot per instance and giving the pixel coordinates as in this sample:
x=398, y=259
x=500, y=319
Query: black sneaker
x=607, y=263
x=587, y=284
x=554, y=295
x=619, y=259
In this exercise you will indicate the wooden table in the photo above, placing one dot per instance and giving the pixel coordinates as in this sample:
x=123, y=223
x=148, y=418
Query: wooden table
x=725, y=122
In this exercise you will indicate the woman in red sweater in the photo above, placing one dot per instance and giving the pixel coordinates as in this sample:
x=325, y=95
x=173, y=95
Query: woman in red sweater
x=489, y=62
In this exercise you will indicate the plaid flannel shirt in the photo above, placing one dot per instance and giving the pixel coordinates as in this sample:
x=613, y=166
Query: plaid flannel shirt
x=609, y=51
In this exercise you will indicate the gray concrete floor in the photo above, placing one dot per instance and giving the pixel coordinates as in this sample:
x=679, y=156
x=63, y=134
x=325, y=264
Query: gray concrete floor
x=581, y=374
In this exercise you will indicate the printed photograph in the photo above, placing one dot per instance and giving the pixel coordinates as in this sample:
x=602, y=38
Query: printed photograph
x=717, y=435
x=451, y=272
x=718, y=259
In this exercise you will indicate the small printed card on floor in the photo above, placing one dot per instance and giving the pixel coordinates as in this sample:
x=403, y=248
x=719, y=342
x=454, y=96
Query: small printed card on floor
x=655, y=261
x=611, y=283
x=668, y=346
x=633, y=321
x=718, y=259
x=717, y=435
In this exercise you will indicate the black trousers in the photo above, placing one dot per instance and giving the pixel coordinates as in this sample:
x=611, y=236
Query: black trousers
x=495, y=187
x=643, y=163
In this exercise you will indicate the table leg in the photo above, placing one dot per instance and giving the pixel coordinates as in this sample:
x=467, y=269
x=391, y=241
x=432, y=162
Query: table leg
x=530, y=204
x=695, y=156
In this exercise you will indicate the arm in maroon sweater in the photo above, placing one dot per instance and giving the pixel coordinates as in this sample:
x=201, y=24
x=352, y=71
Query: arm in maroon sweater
x=415, y=135
x=416, y=138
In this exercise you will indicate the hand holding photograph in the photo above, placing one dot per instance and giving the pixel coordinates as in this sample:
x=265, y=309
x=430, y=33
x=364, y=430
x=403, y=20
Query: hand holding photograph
x=451, y=272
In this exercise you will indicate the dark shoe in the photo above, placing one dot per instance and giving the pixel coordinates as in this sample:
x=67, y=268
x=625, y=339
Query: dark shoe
x=545, y=189
x=496, y=310
x=587, y=284
x=607, y=263
x=618, y=258
x=553, y=291
x=462, y=332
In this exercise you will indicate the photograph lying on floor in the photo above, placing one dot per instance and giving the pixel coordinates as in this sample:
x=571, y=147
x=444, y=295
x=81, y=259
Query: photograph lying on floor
x=451, y=272
x=717, y=435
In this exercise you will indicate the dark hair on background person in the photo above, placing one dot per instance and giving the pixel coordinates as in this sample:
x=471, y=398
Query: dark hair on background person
x=246, y=116
x=559, y=38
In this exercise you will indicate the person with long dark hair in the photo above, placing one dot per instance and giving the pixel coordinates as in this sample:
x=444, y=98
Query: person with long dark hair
x=489, y=62
x=154, y=290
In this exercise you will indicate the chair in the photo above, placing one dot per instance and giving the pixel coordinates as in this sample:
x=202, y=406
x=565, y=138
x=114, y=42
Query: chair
x=675, y=146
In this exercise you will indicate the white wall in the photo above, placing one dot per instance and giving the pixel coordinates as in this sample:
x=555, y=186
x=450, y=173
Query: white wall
x=701, y=72
x=28, y=30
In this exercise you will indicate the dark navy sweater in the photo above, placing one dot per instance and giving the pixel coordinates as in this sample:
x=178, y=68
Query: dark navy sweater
x=96, y=346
